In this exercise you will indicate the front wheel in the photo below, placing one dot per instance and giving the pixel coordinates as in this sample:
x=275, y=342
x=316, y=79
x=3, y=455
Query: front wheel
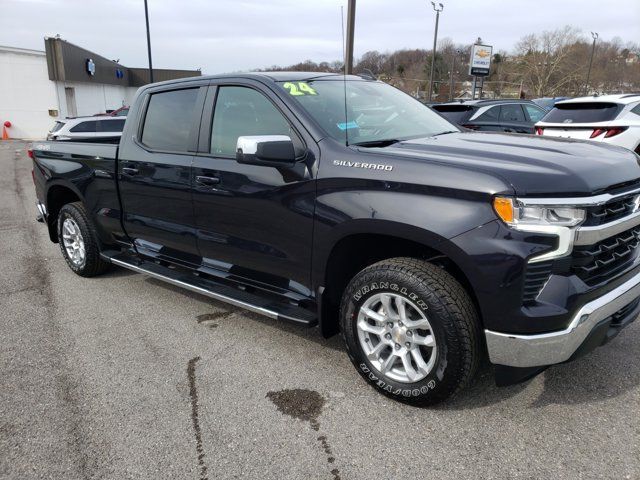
x=411, y=330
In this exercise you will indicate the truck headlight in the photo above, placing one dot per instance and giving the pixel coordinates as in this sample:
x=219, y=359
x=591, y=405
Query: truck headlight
x=519, y=215
x=558, y=220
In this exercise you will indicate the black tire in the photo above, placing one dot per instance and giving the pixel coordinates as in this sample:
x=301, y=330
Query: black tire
x=448, y=308
x=93, y=264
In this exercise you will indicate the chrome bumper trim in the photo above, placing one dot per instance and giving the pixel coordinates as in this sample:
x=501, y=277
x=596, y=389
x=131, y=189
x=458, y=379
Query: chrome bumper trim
x=579, y=201
x=591, y=235
x=42, y=212
x=555, y=347
x=41, y=208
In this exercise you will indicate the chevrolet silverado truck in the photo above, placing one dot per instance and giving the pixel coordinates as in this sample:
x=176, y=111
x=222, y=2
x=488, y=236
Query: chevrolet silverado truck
x=340, y=202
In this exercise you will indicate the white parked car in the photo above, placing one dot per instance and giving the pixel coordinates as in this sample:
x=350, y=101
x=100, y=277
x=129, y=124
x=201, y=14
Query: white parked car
x=97, y=129
x=613, y=119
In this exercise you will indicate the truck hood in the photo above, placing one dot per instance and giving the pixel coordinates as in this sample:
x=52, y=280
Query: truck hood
x=533, y=165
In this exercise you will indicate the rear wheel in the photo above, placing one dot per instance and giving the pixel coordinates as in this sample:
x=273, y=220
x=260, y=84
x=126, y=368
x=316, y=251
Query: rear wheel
x=411, y=330
x=79, y=241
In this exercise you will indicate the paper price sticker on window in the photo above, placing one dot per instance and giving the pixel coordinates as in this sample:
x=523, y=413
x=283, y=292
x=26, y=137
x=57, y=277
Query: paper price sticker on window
x=299, y=88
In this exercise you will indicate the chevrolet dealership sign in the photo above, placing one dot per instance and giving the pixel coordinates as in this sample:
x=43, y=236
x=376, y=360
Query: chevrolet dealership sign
x=480, y=62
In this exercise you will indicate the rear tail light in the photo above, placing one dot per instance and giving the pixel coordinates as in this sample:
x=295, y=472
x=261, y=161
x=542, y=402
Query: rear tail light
x=613, y=131
x=608, y=131
x=30, y=153
x=539, y=130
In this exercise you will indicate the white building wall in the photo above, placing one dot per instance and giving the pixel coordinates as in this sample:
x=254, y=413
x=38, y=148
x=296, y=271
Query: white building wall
x=26, y=93
x=94, y=98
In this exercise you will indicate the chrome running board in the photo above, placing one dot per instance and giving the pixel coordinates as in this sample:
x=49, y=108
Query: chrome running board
x=224, y=293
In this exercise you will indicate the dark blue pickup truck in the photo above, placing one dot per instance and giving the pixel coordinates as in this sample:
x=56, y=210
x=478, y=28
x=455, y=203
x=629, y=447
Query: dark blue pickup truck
x=342, y=202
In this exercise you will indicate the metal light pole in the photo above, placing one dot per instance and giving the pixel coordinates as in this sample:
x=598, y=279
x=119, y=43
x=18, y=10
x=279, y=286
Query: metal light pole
x=475, y=77
x=453, y=67
x=146, y=17
x=351, y=25
x=435, y=39
x=594, y=35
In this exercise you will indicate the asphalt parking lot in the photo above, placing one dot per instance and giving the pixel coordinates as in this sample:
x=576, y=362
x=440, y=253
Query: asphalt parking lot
x=122, y=376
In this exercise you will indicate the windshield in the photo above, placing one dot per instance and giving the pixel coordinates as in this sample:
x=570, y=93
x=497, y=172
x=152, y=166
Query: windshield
x=374, y=111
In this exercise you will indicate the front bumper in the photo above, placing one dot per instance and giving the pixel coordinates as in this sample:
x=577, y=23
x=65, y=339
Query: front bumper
x=544, y=349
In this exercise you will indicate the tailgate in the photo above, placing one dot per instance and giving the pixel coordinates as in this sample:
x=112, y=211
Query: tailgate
x=580, y=133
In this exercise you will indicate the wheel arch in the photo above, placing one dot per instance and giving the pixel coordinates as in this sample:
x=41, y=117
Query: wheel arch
x=58, y=195
x=358, y=249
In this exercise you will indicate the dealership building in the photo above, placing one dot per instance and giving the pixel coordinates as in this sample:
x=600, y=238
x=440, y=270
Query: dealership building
x=39, y=87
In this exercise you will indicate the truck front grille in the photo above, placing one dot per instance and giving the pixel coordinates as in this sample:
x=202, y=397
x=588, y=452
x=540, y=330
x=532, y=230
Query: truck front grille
x=608, y=212
x=604, y=260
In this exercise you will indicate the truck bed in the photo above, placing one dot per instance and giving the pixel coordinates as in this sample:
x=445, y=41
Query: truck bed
x=55, y=149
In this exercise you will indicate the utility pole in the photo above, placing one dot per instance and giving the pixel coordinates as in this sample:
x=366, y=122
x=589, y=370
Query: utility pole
x=453, y=67
x=351, y=24
x=594, y=35
x=435, y=39
x=475, y=77
x=146, y=17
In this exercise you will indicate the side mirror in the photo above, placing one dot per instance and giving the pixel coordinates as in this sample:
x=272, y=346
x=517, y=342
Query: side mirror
x=268, y=150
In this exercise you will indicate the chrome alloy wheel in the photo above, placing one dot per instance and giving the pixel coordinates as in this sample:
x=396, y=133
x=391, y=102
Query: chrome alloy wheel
x=396, y=337
x=73, y=242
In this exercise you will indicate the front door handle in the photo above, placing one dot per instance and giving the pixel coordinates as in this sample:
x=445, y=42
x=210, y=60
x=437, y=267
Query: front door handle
x=205, y=180
x=130, y=171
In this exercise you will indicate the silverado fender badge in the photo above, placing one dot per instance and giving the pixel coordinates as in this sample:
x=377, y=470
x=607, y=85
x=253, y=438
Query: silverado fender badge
x=371, y=166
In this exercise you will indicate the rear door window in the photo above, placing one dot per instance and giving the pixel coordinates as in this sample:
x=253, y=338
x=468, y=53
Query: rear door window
x=169, y=119
x=583, y=112
x=511, y=112
x=490, y=115
x=84, y=127
x=110, y=126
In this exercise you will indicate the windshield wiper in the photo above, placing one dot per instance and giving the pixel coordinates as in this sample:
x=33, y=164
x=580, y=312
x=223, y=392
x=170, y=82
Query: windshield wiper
x=377, y=143
x=445, y=132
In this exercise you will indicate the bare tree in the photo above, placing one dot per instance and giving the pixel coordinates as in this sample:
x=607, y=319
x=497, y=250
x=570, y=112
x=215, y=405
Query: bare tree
x=551, y=61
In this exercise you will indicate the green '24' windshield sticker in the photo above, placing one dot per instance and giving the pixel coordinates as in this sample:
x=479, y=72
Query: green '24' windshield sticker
x=299, y=88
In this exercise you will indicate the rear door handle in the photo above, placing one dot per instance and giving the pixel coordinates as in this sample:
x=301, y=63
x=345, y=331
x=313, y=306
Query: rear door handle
x=206, y=180
x=129, y=171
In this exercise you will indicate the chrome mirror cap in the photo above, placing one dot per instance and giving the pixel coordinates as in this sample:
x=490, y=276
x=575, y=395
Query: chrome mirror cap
x=248, y=145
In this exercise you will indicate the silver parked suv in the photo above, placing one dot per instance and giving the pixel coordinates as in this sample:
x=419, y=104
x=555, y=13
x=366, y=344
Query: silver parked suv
x=102, y=129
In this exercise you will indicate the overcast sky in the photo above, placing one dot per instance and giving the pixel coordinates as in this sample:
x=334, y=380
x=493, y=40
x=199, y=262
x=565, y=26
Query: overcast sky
x=231, y=35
